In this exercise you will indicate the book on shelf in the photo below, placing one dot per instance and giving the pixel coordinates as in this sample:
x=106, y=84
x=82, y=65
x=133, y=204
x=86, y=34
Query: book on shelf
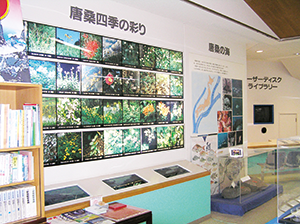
x=20, y=128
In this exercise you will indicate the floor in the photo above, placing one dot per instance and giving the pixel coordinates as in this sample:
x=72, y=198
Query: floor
x=264, y=213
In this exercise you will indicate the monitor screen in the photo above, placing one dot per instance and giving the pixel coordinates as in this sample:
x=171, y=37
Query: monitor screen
x=263, y=114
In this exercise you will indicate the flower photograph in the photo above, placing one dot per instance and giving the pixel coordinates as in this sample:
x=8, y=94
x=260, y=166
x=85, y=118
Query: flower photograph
x=163, y=137
x=67, y=43
x=162, y=84
x=162, y=111
x=147, y=84
x=130, y=53
x=112, y=81
x=132, y=140
x=162, y=59
x=131, y=83
x=91, y=111
x=91, y=46
x=41, y=38
x=176, y=86
x=68, y=77
x=113, y=143
x=147, y=109
x=50, y=148
x=147, y=56
x=177, y=133
x=69, y=146
x=112, y=53
x=44, y=73
x=176, y=61
x=112, y=111
x=93, y=145
x=176, y=111
x=68, y=111
x=131, y=111
x=49, y=112
x=91, y=80
x=149, y=141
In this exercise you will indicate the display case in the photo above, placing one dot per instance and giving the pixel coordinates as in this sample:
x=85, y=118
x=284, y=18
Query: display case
x=288, y=177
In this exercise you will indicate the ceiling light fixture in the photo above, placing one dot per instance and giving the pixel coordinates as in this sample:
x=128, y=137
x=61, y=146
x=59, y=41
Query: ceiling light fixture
x=259, y=51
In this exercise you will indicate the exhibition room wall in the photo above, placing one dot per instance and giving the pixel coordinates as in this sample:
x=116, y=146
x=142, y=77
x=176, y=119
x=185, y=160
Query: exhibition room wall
x=284, y=95
x=160, y=32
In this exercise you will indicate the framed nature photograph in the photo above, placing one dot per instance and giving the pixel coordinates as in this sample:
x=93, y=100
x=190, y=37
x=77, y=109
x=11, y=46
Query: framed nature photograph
x=121, y=182
x=176, y=112
x=237, y=106
x=91, y=47
x=130, y=54
x=93, y=145
x=69, y=147
x=162, y=85
x=44, y=73
x=231, y=139
x=112, y=112
x=163, y=112
x=176, y=61
x=222, y=140
x=237, y=88
x=163, y=137
x=224, y=121
x=149, y=139
x=227, y=102
x=147, y=56
x=68, y=112
x=239, y=137
x=147, y=84
x=49, y=113
x=112, y=52
x=132, y=141
x=237, y=123
x=41, y=39
x=91, y=80
x=113, y=143
x=177, y=136
x=112, y=82
x=176, y=86
x=162, y=62
x=91, y=112
x=50, y=149
x=147, y=109
x=68, y=78
x=67, y=44
x=131, y=83
x=227, y=86
x=131, y=112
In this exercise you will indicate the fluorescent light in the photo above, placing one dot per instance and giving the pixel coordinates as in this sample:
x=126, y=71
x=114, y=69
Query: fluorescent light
x=259, y=51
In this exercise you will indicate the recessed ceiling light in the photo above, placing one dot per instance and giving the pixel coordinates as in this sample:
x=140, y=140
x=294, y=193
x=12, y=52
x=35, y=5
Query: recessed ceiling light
x=259, y=51
x=297, y=53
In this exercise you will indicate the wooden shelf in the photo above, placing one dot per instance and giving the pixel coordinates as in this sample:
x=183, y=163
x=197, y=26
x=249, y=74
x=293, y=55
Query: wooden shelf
x=16, y=94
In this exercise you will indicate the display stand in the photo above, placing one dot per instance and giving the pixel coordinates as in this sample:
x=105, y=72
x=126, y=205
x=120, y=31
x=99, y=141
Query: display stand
x=288, y=177
x=17, y=94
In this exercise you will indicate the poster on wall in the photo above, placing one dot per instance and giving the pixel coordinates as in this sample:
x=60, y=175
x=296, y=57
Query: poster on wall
x=206, y=101
x=204, y=154
x=14, y=66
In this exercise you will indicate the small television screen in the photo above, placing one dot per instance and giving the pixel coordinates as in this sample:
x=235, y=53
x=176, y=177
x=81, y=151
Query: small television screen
x=263, y=114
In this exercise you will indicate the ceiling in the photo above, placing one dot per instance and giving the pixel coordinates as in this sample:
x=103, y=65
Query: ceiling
x=269, y=25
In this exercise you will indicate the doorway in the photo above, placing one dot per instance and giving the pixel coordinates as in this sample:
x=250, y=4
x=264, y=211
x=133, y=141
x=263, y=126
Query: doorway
x=287, y=125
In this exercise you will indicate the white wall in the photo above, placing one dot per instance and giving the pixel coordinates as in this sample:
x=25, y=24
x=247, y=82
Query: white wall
x=161, y=32
x=285, y=97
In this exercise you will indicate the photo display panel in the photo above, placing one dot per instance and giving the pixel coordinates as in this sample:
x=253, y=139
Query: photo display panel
x=124, y=181
x=104, y=97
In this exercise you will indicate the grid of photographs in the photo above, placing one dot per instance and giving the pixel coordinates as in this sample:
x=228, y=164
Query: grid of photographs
x=230, y=119
x=85, y=79
x=66, y=112
x=55, y=42
x=92, y=85
x=70, y=147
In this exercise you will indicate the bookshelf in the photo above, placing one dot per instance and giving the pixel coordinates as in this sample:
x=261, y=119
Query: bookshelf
x=16, y=94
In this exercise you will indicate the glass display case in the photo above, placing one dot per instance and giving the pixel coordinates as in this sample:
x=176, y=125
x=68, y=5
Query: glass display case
x=288, y=178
